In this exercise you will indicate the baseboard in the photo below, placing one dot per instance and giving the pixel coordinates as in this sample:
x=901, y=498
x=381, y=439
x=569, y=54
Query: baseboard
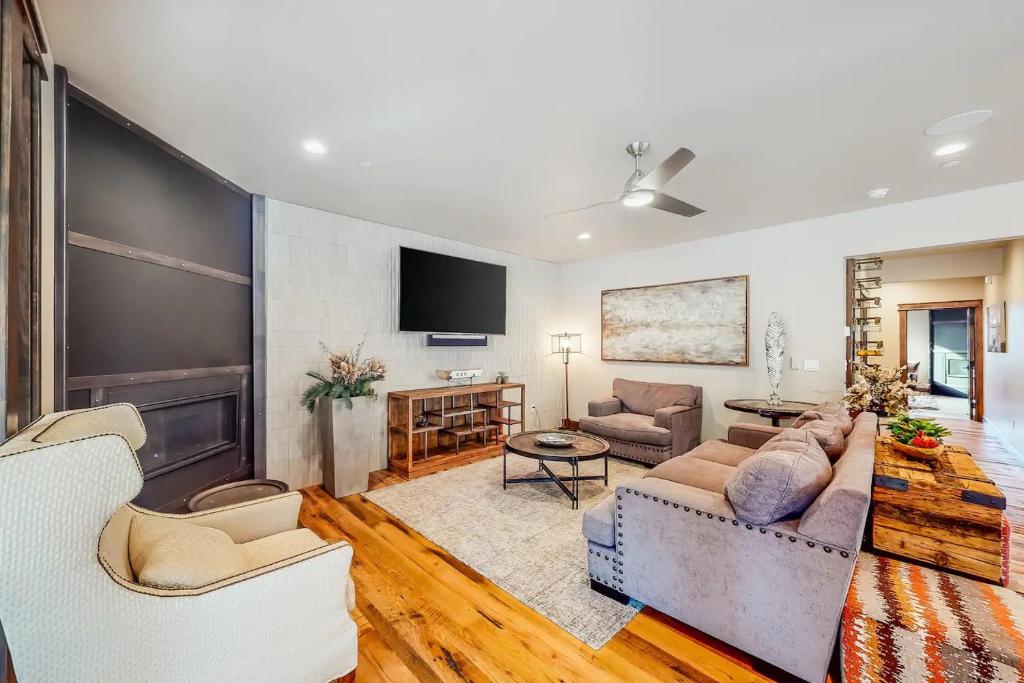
x=1007, y=444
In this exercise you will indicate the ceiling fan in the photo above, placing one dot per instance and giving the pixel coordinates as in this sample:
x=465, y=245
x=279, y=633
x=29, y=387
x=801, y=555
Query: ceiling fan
x=643, y=189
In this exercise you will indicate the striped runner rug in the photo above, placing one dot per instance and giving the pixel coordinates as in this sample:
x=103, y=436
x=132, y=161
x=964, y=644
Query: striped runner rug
x=904, y=623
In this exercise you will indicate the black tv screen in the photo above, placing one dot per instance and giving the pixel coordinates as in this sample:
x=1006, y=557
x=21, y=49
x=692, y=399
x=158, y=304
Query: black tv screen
x=447, y=294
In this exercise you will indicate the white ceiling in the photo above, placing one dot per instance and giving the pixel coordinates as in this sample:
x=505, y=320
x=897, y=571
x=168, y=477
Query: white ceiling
x=481, y=116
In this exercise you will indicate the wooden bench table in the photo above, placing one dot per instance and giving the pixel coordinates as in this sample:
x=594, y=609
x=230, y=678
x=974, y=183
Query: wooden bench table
x=945, y=512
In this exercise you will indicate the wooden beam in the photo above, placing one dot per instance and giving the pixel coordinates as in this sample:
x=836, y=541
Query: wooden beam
x=84, y=241
x=124, y=379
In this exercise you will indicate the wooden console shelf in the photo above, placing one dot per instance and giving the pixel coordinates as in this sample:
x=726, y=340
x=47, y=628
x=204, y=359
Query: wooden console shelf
x=466, y=423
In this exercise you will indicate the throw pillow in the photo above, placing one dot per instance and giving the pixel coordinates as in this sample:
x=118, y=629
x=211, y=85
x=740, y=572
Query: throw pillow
x=841, y=418
x=829, y=436
x=175, y=554
x=782, y=478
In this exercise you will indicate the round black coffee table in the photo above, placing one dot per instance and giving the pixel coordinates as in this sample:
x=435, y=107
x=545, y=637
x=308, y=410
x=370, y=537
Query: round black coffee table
x=585, y=447
x=760, y=406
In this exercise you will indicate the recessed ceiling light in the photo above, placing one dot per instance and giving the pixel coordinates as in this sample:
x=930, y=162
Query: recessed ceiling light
x=878, y=192
x=583, y=236
x=958, y=122
x=951, y=148
x=638, y=198
x=314, y=146
x=952, y=163
x=366, y=164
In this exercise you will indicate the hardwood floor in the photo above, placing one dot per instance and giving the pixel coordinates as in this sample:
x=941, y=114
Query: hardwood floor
x=425, y=616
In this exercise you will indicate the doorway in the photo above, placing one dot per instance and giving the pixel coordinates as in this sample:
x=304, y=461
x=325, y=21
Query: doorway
x=940, y=344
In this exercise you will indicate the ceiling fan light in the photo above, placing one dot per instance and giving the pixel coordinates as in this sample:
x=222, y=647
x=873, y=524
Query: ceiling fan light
x=638, y=198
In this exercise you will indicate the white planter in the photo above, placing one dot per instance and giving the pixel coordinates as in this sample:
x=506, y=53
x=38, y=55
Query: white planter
x=349, y=439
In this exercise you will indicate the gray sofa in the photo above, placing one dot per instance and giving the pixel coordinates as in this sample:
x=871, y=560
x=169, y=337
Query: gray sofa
x=672, y=540
x=647, y=421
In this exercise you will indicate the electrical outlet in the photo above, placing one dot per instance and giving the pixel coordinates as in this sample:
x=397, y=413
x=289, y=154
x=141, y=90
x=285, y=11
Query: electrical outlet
x=794, y=363
x=811, y=365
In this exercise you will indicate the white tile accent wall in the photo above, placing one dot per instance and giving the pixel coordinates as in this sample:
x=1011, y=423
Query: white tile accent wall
x=334, y=279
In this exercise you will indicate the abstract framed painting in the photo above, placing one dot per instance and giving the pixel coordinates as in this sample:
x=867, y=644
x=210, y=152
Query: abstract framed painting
x=995, y=327
x=703, y=322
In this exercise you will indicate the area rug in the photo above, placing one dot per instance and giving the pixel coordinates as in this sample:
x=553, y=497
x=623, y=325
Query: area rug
x=923, y=402
x=526, y=539
x=905, y=623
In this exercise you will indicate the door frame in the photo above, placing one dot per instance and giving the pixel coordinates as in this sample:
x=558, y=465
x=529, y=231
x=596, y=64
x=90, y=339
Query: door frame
x=977, y=350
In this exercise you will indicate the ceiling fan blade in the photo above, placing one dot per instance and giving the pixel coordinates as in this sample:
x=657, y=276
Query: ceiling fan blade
x=673, y=205
x=666, y=170
x=582, y=208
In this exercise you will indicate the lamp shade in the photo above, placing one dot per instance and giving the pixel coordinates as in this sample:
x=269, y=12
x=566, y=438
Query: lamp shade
x=566, y=342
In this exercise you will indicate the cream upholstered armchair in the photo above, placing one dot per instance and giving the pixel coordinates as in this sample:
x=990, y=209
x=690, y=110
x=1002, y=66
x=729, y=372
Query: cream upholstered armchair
x=74, y=610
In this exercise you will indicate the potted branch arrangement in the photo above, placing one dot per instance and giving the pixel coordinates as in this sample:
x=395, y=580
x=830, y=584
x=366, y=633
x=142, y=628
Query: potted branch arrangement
x=348, y=419
x=918, y=438
x=877, y=390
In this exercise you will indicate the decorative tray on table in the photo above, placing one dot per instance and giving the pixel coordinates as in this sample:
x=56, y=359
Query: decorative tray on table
x=555, y=440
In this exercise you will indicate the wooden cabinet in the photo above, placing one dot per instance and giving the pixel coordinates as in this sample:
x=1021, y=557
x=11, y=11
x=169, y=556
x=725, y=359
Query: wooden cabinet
x=436, y=428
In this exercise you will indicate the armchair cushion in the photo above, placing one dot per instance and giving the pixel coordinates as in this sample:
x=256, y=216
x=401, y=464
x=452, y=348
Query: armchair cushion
x=721, y=452
x=647, y=397
x=627, y=427
x=700, y=474
x=604, y=406
x=782, y=478
x=174, y=554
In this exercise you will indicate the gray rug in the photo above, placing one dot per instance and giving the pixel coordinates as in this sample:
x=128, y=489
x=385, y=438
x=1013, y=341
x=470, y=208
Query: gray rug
x=526, y=539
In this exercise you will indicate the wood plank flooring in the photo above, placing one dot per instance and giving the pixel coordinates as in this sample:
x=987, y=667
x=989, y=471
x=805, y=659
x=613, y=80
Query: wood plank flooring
x=425, y=616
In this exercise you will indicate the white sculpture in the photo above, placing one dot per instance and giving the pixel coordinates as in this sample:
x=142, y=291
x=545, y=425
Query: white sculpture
x=775, y=347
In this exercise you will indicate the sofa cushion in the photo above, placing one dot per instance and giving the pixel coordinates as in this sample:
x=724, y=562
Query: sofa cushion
x=627, y=427
x=782, y=478
x=695, y=472
x=722, y=452
x=646, y=397
x=599, y=522
x=117, y=418
x=175, y=554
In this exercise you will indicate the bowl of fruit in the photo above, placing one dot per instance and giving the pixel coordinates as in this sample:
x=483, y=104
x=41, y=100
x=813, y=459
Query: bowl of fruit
x=918, y=438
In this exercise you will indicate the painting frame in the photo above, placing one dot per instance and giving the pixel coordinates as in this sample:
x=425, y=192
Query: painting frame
x=995, y=327
x=607, y=354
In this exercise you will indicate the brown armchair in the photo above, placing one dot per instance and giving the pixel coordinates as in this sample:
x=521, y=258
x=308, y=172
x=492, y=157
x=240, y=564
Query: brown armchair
x=647, y=421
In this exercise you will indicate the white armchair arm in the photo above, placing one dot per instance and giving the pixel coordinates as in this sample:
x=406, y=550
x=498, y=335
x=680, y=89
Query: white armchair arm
x=247, y=521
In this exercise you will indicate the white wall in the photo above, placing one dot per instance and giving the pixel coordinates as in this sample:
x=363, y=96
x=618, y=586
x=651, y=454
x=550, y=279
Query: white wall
x=1004, y=372
x=795, y=269
x=334, y=279
x=974, y=263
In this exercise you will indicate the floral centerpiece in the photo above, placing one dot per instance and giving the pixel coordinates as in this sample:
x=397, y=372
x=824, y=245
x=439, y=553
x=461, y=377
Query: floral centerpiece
x=918, y=437
x=878, y=390
x=349, y=377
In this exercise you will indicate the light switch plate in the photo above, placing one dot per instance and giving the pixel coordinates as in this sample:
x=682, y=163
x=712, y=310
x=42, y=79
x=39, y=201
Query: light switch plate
x=811, y=365
x=794, y=363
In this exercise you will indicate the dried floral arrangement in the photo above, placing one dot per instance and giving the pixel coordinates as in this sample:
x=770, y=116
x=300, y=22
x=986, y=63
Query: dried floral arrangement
x=878, y=390
x=349, y=377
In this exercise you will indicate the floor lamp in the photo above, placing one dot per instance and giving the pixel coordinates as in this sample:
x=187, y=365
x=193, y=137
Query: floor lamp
x=566, y=343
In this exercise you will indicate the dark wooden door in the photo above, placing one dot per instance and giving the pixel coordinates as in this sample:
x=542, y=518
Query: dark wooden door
x=158, y=289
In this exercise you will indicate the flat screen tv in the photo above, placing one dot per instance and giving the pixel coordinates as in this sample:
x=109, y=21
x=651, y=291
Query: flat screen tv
x=447, y=294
